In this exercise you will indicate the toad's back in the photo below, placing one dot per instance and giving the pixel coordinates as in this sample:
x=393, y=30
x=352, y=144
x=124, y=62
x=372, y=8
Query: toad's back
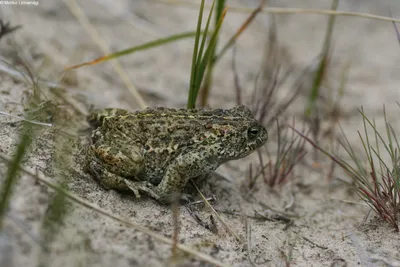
x=173, y=129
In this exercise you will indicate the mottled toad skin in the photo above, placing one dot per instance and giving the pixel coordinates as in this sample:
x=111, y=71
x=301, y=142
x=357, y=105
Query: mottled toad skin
x=157, y=150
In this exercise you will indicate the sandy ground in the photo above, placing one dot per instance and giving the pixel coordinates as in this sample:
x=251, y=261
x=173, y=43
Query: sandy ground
x=329, y=226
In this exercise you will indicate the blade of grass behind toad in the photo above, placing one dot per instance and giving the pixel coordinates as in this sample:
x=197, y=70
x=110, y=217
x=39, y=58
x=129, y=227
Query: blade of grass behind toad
x=215, y=57
x=192, y=96
x=219, y=8
x=208, y=54
x=198, y=75
x=200, y=59
x=145, y=46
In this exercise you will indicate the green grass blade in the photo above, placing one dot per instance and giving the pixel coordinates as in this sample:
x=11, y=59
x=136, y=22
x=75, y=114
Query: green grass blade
x=145, y=46
x=199, y=76
x=320, y=73
x=210, y=68
x=219, y=8
x=202, y=56
x=203, y=41
x=202, y=60
x=192, y=96
x=152, y=44
x=208, y=54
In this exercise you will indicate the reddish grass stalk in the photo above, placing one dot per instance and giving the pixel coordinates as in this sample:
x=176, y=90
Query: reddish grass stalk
x=290, y=152
x=383, y=195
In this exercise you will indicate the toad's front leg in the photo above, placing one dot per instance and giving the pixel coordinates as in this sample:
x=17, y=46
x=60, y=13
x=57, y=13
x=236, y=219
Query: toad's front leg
x=185, y=167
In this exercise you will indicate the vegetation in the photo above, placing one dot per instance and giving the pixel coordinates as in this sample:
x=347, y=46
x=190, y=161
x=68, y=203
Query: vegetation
x=378, y=181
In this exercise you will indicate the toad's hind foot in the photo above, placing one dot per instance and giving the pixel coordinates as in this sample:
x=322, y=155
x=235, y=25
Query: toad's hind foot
x=144, y=186
x=152, y=191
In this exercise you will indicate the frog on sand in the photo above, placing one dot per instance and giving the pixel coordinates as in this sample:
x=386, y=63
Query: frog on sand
x=157, y=150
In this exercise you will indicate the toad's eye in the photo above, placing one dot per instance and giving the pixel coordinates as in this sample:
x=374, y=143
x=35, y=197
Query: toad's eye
x=252, y=133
